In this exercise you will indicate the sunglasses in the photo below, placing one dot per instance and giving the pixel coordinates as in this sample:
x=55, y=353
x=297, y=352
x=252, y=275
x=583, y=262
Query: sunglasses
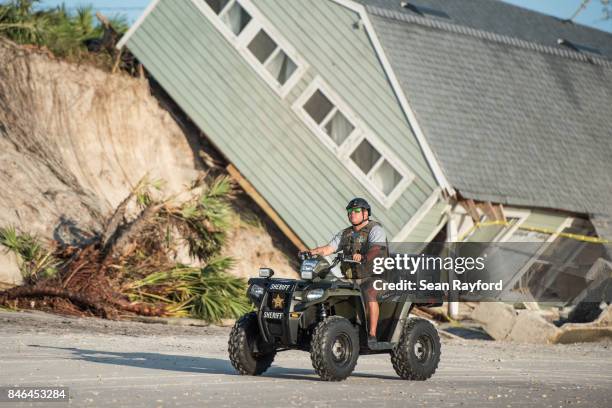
x=354, y=210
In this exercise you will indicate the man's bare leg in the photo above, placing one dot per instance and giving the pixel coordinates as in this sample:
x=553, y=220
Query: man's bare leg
x=373, y=311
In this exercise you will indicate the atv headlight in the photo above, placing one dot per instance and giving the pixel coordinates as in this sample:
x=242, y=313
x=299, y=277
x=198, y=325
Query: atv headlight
x=256, y=291
x=265, y=272
x=307, y=268
x=315, y=294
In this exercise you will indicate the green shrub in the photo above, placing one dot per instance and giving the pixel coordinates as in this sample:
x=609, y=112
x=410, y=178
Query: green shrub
x=63, y=33
x=36, y=262
x=207, y=293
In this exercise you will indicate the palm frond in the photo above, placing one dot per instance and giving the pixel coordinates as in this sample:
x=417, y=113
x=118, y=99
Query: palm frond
x=36, y=261
x=63, y=33
x=207, y=293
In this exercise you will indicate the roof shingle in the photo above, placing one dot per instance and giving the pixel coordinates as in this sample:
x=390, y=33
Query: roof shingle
x=508, y=123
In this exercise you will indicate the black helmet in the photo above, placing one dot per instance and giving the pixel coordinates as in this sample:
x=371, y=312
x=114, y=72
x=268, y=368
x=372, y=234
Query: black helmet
x=358, y=202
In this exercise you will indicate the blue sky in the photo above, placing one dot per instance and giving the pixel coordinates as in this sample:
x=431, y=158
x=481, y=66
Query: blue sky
x=591, y=16
x=558, y=8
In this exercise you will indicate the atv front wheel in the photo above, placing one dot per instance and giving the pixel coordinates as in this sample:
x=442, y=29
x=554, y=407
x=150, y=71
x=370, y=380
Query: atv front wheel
x=334, y=348
x=243, y=337
x=417, y=354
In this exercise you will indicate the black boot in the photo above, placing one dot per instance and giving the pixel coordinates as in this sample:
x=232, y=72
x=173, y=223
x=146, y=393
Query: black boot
x=372, y=341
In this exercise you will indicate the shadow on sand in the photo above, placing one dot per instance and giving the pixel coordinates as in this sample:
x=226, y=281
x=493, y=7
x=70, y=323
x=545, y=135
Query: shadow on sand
x=189, y=364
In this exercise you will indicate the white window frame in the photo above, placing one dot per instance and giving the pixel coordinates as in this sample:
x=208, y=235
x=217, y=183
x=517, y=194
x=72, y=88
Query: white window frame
x=520, y=215
x=353, y=140
x=298, y=106
x=242, y=40
x=551, y=238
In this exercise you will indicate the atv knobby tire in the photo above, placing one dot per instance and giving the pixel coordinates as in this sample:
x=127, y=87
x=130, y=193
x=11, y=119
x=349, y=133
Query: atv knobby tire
x=243, y=336
x=334, y=348
x=417, y=354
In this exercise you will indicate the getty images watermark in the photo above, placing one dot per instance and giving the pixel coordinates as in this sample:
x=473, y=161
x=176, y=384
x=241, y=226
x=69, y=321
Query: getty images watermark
x=422, y=263
x=492, y=271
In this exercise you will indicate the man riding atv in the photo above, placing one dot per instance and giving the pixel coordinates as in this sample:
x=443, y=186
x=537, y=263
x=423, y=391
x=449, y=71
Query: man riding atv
x=363, y=241
x=335, y=319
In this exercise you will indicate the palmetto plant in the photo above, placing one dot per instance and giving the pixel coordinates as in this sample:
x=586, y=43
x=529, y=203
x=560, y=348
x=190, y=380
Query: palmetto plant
x=204, y=221
x=201, y=223
x=207, y=293
x=18, y=23
x=37, y=262
x=134, y=258
x=63, y=33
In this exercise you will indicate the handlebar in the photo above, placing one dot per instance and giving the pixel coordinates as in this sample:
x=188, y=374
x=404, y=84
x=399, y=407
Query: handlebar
x=304, y=255
x=348, y=259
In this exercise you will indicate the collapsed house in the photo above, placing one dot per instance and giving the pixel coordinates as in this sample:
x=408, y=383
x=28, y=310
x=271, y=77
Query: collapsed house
x=458, y=121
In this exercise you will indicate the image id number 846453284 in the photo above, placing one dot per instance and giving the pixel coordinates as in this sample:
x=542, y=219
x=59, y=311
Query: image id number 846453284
x=33, y=394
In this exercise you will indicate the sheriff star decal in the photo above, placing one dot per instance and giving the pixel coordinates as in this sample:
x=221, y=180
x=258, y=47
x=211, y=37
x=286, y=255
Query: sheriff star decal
x=277, y=301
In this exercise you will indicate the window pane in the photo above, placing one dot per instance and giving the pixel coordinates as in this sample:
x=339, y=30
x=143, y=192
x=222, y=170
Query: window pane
x=318, y=106
x=386, y=177
x=338, y=128
x=236, y=18
x=281, y=67
x=365, y=156
x=262, y=46
x=217, y=5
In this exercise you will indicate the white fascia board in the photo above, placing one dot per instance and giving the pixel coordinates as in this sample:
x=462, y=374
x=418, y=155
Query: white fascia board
x=397, y=89
x=440, y=225
x=418, y=216
x=350, y=4
x=134, y=27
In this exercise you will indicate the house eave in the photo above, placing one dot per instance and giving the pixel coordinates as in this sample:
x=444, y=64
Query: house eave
x=437, y=171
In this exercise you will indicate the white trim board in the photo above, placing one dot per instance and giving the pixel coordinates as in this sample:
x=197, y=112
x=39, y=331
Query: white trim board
x=441, y=224
x=418, y=216
x=360, y=132
x=137, y=24
x=241, y=41
x=397, y=89
x=520, y=214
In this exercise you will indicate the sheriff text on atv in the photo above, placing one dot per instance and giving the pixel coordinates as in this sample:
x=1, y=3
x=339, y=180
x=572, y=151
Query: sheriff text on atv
x=326, y=317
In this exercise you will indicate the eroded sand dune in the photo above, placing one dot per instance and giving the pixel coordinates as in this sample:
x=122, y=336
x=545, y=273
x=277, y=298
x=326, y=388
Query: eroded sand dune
x=74, y=139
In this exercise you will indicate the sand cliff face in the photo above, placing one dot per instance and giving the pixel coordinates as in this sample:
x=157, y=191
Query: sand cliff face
x=74, y=139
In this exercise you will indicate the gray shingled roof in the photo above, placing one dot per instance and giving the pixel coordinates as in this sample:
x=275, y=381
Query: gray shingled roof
x=501, y=18
x=509, y=120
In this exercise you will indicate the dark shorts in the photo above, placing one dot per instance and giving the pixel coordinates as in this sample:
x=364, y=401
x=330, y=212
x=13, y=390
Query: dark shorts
x=367, y=288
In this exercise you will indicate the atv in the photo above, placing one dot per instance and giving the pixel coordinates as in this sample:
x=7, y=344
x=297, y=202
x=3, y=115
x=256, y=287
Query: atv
x=326, y=316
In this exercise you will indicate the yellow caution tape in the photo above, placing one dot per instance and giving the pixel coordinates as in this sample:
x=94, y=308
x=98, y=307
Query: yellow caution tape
x=577, y=237
x=482, y=224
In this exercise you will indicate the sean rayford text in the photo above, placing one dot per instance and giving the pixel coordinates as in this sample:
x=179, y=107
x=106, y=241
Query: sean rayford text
x=424, y=285
x=414, y=263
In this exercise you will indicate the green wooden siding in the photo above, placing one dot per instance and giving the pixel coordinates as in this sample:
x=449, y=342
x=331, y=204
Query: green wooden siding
x=259, y=132
x=485, y=233
x=428, y=224
x=343, y=55
x=543, y=219
x=537, y=218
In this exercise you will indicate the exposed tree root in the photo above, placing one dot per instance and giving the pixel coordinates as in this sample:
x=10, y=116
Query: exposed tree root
x=92, y=279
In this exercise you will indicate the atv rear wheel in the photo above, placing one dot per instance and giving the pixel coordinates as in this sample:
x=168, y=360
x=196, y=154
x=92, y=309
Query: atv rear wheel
x=417, y=354
x=334, y=348
x=243, y=337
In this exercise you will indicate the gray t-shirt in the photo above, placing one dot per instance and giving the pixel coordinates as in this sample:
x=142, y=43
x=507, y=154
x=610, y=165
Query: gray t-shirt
x=377, y=235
